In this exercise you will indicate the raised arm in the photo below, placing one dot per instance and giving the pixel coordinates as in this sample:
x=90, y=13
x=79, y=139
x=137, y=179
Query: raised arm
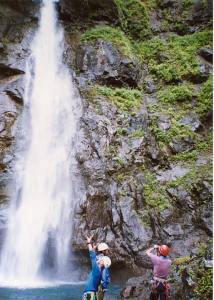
x=149, y=251
x=89, y=240
x=92, y=253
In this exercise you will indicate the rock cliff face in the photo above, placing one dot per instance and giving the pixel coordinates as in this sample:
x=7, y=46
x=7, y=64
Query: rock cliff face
x=143, y=69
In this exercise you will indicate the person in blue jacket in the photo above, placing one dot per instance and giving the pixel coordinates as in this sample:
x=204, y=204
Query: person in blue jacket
x=98, y=275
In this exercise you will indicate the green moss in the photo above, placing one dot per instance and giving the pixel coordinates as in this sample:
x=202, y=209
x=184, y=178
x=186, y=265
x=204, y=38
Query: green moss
x=178, y=93
x=120, y=177
x=119, y=160
x=186, y=156
x=107, y=33
x=205, y=3
x=149, y=50
x=205, y=98
x=174, y=59
x=177, y=130
x=121, y=131
x=134, y=18
x=203, y=276
x=128, y=100
x=187, y=3
x=181, y=260
x=194, y=267
x=205, y=284
x=178, y=17
x=203, y=146
x=202, y=250
x=196, y=175
x=155, y=194
x=137, y=133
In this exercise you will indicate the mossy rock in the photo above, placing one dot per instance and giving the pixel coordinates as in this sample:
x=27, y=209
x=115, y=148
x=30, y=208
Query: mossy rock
x=176, y=58
x=205, y=98
x=127, y=100
x=134, y=18
x=111, y=34
x=177, y=93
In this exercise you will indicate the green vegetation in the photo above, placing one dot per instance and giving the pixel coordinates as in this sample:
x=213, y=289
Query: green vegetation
x=187, y=4
x=186, y=156
x=113, y=35
x=174, y=59
x=155, y=195
x=199, y=274
x=184, y=98
x=196, y=175
x=127, y=100
x=205, y=284
x=177, y=93
x=121, y=131
x=202, y=147
x=137, y=133
x=205, y=98
x=134, y=17
x=177, y=18
x=181, y=260
x=177, y=130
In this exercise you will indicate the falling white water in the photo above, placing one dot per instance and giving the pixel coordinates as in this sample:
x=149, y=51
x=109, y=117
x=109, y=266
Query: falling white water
x=46, y=180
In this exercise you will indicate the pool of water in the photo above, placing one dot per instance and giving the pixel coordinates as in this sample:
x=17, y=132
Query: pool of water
x=62, y=292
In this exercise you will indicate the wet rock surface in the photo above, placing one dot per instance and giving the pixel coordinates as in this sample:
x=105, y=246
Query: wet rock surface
x=103, y=63
x=96, y=10
x=135, y=195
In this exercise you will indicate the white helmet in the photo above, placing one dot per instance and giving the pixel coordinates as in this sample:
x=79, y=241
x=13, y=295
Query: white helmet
x=107, y=261
x=102, y=247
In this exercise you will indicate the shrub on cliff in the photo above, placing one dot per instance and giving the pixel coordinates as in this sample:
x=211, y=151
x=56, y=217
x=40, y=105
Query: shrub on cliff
x=176, y=58
x=107, y=33
x=134, y=18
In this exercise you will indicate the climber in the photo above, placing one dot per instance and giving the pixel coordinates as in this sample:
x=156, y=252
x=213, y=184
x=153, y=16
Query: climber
x=98, y=274
x=161, y=269
x=103, y=250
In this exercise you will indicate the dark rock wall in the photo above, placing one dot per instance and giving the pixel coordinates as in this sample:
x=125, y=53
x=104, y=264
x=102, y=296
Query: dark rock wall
x=146, y=150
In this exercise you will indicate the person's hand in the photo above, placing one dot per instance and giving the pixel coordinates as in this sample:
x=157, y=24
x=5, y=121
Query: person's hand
x=94, y=246
x=155, y=246
x=89, y=239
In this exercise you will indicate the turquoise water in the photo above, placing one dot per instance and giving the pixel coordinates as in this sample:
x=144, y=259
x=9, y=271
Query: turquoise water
x=63, y=292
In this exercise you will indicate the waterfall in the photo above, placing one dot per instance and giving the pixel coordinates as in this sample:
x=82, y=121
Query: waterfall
x=46, y=175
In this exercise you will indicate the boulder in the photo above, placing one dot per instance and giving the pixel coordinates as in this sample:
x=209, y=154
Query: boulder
x=15, y=90
x=7, y=71
x=182, y=144
x=173, y=173
x=137, y=288
x=149, y=86
x=207, y=54
x=192, y=121
x=164, y=122
x=103, y=63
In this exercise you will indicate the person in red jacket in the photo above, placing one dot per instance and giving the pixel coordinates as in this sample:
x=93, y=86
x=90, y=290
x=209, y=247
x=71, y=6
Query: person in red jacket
x=161, y=269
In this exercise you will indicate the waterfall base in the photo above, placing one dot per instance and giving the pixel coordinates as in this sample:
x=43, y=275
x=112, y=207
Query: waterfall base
x=62, y=292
